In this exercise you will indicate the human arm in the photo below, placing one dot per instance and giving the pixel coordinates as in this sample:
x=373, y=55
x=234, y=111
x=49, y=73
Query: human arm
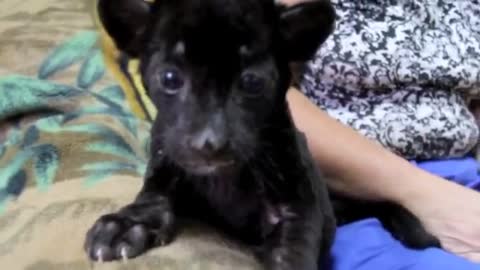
x=342, y=153
x=362, y=168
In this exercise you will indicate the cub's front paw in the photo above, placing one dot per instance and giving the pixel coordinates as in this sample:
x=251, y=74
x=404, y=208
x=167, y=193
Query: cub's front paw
x=116, y=236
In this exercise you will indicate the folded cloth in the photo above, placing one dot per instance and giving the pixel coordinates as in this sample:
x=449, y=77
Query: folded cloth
x=366, y=245
x=79, y=127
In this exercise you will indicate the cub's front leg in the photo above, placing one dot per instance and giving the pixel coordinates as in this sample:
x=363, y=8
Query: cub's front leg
x=298, y=241
x=306, y=223
x=147, y=222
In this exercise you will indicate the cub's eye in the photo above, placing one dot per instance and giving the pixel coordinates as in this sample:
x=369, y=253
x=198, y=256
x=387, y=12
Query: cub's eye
x=252, y=84
x=172, y=81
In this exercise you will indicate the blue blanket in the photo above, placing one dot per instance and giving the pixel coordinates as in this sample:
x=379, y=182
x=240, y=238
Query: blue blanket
x=365, y=245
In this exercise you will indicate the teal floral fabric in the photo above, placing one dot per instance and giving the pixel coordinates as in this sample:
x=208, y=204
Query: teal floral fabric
x=70, y=121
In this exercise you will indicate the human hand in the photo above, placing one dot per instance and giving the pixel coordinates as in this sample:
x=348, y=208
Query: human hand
x=452, y=213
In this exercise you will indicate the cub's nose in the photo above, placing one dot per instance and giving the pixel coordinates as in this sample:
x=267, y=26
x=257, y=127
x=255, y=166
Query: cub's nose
x=208, y=141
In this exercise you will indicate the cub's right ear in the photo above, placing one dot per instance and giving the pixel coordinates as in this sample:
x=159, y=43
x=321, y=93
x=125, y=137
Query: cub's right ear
x=305, y=26
x=125, y=21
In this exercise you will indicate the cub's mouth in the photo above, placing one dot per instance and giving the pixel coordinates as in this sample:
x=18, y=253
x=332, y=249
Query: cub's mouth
x=207, y=166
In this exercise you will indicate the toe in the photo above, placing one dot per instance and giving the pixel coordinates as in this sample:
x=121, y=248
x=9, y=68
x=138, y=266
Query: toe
x=133, y=242
x=124, y=251
x=101, y=253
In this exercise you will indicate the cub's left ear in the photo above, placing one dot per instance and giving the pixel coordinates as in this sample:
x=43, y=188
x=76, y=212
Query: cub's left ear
x=125, y=21
x=304, y=27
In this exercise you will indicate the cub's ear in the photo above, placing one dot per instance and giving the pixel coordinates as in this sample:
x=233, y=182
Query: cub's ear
x=125, y=21
x=304, y=27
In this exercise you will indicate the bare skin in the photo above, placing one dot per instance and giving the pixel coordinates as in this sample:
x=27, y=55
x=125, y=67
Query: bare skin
x=364, y=169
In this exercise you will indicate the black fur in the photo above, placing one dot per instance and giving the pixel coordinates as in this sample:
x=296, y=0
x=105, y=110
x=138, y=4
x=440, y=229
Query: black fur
x=401, y=223
x=224, y=147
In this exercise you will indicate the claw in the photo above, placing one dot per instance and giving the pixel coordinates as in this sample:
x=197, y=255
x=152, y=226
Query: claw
x=123, y=253
x=99, y=255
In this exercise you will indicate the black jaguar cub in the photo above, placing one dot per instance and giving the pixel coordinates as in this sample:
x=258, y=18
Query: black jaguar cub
x=224, y=147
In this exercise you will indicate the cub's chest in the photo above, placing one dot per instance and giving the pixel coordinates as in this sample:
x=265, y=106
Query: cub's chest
x=246, y=211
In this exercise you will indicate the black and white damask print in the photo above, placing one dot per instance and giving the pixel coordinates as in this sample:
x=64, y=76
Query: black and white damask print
x=400, y=72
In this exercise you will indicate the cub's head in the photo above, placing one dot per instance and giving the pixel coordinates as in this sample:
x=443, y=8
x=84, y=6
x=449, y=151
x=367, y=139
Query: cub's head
x=217, y=70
